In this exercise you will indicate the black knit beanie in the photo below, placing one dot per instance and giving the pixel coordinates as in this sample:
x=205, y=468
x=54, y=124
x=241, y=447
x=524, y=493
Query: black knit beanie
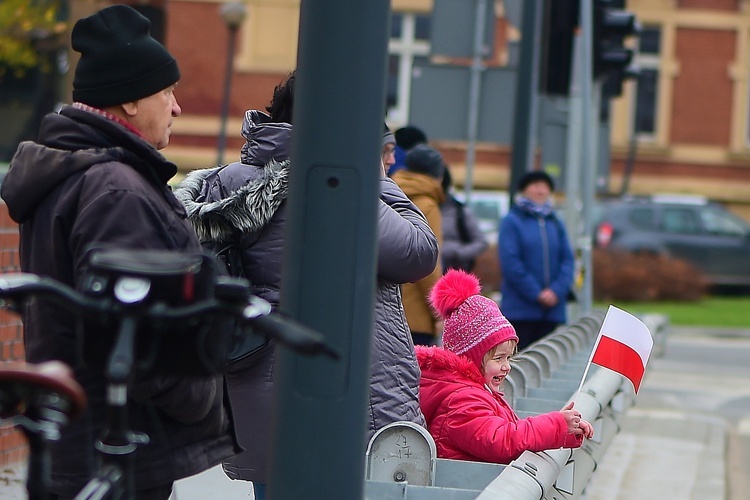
x=536, y=176
x=120, y=61
x=409, y=136
x=425, y=159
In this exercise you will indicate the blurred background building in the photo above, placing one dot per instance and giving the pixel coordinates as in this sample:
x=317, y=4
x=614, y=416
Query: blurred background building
x=683, y=126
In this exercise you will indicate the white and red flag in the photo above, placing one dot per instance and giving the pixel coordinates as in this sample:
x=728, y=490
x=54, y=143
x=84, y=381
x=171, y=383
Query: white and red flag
x=624, y=345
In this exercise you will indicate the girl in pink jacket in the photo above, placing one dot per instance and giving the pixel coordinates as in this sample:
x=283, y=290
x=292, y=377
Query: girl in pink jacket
x=460, y=388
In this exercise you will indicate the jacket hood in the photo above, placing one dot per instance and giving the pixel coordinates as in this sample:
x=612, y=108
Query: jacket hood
x=248, y=208
x=415, y=184
x=265, y=140
x=443, y=373
x=436, y=361
x=71, y=141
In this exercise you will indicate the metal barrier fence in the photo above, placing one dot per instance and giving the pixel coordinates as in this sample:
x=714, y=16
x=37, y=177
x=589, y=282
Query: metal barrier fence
x=401, y=458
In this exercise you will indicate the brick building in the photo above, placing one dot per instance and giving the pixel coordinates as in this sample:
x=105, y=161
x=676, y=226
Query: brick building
x=12, y=442
x=690, y=109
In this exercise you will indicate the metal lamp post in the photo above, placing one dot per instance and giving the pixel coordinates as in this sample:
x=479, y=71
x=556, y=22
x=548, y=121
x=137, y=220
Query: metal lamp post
x=233, y=14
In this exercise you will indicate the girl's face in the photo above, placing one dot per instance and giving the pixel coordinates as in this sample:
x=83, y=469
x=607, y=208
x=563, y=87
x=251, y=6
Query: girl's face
x=496, y=365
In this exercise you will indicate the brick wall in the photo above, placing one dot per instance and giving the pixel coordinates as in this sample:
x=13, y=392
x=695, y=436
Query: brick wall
x=703, y=88
x=12, y=443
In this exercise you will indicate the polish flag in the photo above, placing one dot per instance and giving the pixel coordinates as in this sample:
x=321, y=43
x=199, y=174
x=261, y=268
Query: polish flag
x=624, y=345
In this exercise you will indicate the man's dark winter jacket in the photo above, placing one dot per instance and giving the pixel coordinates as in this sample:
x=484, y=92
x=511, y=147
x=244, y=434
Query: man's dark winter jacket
x=89, y=181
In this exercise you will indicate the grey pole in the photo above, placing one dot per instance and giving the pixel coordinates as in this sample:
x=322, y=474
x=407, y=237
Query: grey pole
x=233, y=14
x=590, y=128
x=328, y=283
x=573, y=204
x=475, y=91
x=527, y=83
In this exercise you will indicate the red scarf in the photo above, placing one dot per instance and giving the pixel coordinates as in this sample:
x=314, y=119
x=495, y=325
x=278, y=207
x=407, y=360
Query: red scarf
x=108, y=116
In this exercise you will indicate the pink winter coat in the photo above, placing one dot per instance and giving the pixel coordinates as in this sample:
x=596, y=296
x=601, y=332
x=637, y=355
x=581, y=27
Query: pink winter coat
x=468, y=422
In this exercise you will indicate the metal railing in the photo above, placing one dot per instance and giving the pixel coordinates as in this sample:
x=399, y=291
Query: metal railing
x=401, y=458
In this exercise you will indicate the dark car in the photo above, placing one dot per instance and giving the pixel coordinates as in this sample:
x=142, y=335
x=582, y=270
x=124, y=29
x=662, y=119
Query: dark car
x=701, y=232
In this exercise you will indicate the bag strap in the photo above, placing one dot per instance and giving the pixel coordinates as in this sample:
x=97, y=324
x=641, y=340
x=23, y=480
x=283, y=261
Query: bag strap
x=463, y=230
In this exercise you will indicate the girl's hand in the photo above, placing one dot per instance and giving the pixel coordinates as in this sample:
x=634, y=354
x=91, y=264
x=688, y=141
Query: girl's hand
x=587, y=430
x=576, y=425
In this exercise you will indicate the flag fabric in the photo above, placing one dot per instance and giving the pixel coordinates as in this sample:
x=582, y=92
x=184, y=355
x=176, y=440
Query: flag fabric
x=624, y=345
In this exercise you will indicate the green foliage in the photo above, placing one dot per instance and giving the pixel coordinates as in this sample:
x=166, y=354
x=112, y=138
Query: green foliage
x=714, y=311
x=24, y=23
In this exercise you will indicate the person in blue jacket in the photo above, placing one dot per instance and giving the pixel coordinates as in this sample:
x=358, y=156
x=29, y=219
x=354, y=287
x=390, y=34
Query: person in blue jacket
x=536, y=261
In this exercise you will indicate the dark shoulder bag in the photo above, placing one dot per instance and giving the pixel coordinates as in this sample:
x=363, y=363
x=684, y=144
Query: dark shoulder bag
x=246, y=344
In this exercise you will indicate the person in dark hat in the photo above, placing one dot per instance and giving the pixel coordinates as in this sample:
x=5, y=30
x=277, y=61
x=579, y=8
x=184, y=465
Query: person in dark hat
x=95, y=178
x=406, y=138
x=536, y=260
x=421, y=181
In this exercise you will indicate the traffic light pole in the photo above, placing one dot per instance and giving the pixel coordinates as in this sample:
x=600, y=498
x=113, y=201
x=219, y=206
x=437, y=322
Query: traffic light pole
x=572, y=172
x=589, y=127
x=475, y=92
x=527, y=89
x=582, y=143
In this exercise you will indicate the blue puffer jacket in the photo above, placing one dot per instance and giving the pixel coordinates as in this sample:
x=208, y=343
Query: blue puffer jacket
x=534, y=254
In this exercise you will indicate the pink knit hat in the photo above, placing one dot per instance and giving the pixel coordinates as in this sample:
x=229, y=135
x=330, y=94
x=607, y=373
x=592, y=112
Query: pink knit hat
x=473, y=324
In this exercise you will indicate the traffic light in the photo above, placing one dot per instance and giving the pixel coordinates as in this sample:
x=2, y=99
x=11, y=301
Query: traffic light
x=560, y=21
x=612, y=26
x=612, y=86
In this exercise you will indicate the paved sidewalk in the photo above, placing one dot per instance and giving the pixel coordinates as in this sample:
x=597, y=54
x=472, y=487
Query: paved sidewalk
x=211, y=484
x=662, y=454
x=688, y=435
x=13, y=482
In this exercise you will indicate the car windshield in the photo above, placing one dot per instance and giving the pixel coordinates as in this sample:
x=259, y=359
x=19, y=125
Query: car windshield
x=721, y=223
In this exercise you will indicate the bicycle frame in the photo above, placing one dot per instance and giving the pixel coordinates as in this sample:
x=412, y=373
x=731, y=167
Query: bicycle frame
x=123, y=287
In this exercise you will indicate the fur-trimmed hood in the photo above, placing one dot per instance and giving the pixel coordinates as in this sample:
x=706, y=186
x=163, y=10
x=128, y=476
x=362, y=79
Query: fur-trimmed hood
x=437, y=361
x=247, y=208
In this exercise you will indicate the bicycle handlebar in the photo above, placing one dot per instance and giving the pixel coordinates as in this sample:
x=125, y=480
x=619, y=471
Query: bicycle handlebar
x=18, y=288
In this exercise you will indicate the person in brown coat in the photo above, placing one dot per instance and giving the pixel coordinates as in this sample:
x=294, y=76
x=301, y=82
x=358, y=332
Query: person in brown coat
x=421, y=182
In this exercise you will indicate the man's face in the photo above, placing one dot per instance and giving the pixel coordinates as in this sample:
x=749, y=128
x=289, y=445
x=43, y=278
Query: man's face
x=154, y=116
x=388, y=157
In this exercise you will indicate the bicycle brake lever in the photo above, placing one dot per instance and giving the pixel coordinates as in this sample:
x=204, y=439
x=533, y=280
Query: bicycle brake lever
x=288, y=331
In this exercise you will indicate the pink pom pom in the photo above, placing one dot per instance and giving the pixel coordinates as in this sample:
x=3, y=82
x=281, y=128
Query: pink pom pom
x=451, y=290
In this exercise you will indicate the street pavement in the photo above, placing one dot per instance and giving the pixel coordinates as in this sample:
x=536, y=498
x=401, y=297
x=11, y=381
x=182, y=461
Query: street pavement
x=686, y=437
x=688, y=434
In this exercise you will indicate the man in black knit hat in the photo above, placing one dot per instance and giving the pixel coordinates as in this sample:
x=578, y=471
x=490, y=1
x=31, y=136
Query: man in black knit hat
x=95, y=178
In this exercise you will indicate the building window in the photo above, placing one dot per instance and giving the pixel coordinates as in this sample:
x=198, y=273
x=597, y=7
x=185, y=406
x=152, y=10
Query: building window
x=648, y=82
x=409, y=43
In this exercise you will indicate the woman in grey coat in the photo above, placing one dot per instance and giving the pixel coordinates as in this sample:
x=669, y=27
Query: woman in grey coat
x=246, y=201
x=463, y=240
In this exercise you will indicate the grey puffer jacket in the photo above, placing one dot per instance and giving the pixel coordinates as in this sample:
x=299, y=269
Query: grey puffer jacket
x=89, y=181
x=247, y=200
